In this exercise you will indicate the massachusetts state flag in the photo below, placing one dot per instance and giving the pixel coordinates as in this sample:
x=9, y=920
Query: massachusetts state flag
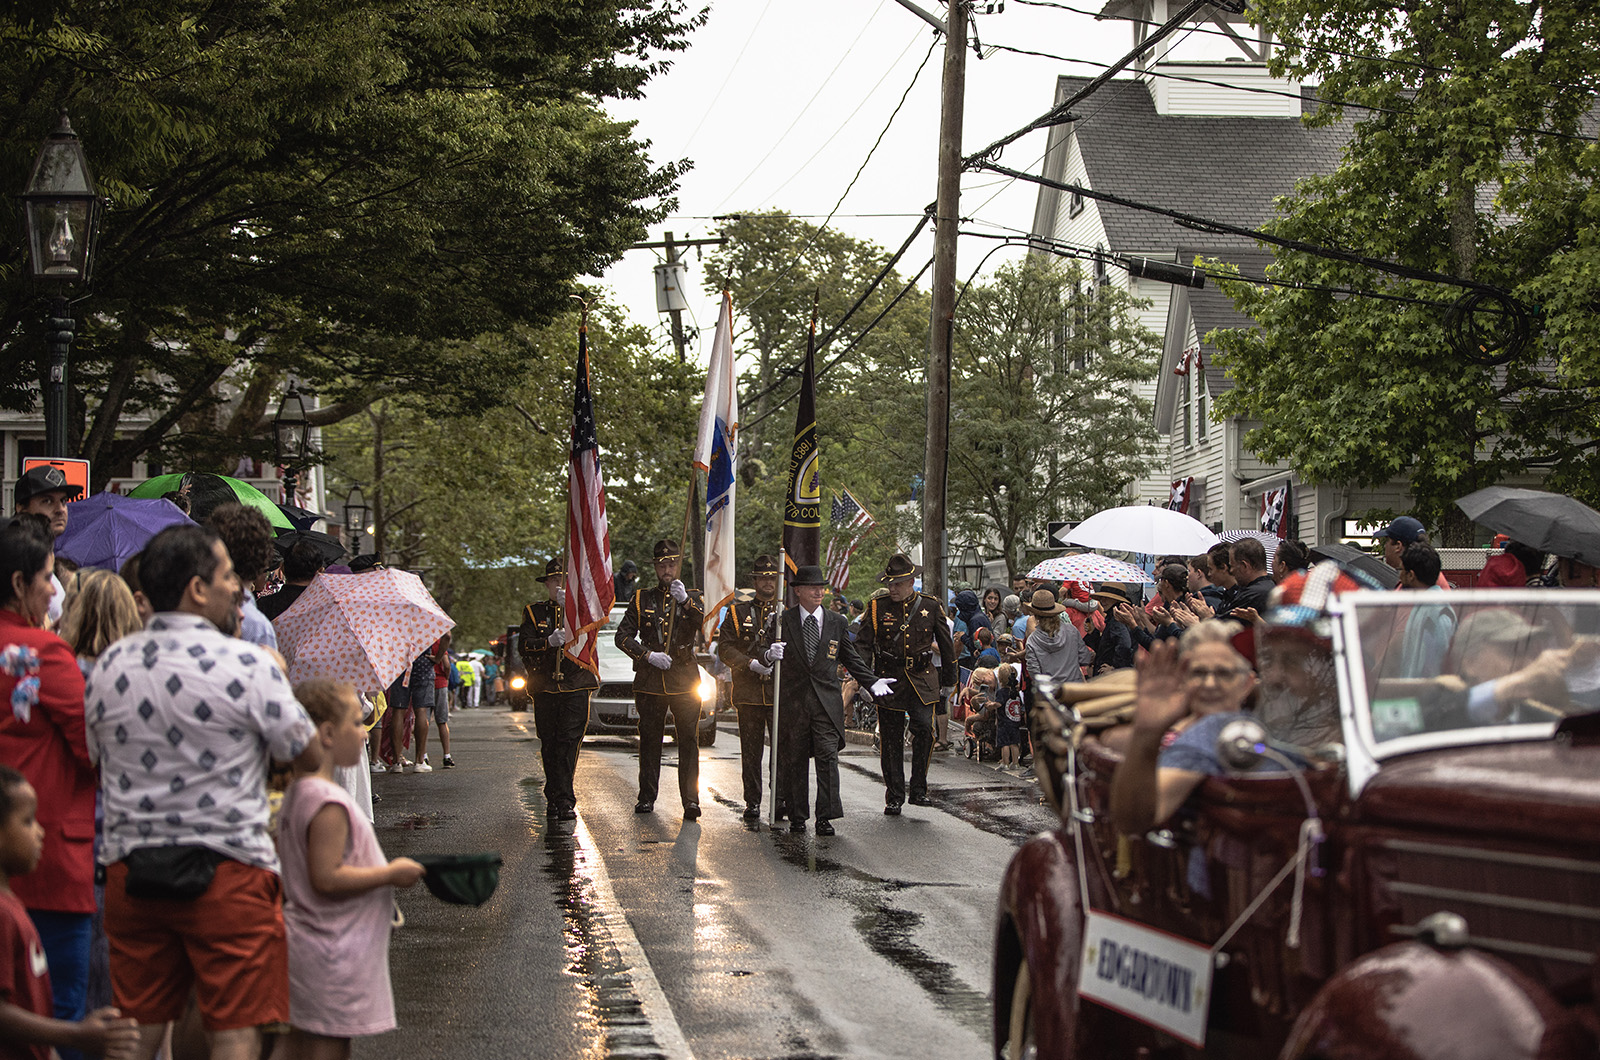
x=590, y=591
x=714, y=454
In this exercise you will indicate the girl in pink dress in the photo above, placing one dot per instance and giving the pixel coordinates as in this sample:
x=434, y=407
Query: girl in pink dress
x=338, y=892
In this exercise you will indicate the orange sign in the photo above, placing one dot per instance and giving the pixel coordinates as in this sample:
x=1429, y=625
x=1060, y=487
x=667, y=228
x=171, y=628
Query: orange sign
x=76, y=471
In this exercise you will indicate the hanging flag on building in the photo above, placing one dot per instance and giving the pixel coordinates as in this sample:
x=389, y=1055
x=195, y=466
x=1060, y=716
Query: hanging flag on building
x=1275, y=511
x=802, y=522
x=851, y=524
x=714, y=454
x=590, y=590
x=1178, y=498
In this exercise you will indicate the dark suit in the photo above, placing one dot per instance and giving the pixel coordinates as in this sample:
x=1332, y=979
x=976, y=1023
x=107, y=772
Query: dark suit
x=902, y=640
x=745, y=634
x=811, y=710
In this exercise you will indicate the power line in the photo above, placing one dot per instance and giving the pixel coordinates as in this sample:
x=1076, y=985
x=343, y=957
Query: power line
x=783, y=136
x=859, y=170
x=1258, y=90
x=744, y=49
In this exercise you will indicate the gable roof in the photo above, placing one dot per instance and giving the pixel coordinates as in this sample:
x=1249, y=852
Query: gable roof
x=1211, y=309
x=1228, y=169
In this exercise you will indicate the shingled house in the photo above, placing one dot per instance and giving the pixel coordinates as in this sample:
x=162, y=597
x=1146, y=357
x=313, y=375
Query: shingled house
x=1215, y=139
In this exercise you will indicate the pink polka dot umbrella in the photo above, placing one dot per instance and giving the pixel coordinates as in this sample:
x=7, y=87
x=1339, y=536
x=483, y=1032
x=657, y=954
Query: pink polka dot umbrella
x=361, y=628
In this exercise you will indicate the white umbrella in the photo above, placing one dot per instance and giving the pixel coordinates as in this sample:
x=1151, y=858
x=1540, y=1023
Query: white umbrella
x=1144, y=528
x=1090, y=567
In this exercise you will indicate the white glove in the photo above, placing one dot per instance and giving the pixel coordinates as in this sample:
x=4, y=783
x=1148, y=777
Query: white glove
x=882, y=687
x=764, y=671
x=947, y=691
x=558, y=637
x=659, y=659
x=775, y=651
x=679, y=593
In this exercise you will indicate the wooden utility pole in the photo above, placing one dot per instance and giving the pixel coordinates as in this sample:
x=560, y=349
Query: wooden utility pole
x=946, y=221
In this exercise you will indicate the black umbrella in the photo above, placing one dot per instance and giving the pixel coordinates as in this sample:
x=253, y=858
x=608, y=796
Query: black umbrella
x=1549, y=522
x=327, y=546
x=302, y=518
x=1350, y=557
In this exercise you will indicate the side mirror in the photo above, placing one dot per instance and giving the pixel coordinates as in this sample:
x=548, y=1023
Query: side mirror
x=1242, y=743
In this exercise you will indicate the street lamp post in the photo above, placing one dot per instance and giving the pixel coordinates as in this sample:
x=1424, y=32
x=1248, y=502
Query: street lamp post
x=294, y=439
x=61, y=212
x=356, y=514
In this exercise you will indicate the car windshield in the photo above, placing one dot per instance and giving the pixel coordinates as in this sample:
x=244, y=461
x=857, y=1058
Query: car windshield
x=1465, y=667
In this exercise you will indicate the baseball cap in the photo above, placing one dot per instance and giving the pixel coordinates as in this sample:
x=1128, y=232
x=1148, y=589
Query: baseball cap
x=1405, y=530
x=43, y=479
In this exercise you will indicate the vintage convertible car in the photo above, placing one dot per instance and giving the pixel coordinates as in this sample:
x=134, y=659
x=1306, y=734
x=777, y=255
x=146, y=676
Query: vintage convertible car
x=1417, y=876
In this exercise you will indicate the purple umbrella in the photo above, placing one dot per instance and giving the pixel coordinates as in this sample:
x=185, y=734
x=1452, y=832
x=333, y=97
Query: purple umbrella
x=108, y=529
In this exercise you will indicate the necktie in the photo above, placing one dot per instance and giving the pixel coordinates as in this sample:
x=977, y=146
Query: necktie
x=811, y=634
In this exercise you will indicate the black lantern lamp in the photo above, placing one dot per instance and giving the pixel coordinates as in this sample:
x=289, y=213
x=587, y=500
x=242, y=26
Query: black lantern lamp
x=61, y=213
x=294, y=439
x=356, y=514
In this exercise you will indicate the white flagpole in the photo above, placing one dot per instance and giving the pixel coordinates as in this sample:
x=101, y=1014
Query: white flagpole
x=777, y=687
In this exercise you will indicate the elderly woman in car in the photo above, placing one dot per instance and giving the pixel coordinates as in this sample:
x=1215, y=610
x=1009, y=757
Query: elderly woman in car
x=1187, y=691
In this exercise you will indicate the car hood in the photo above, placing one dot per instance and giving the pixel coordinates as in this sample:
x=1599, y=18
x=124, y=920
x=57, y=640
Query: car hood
x=1543, y=789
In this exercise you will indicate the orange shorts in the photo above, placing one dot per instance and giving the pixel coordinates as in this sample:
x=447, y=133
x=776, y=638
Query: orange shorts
x=228, y=945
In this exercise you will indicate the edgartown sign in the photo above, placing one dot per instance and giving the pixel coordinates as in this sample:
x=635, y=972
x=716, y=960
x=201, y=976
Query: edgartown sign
x=1154, y=977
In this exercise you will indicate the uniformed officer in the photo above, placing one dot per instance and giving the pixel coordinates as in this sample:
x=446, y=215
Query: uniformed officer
x=746, y=633
x=900, y=634
x=561, y=690
x=658, y=632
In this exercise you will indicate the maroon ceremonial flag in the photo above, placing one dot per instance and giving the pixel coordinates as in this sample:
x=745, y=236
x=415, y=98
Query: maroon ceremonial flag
x=590, y=590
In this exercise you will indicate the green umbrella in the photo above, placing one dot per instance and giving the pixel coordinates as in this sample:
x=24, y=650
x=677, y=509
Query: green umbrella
x=214, y=488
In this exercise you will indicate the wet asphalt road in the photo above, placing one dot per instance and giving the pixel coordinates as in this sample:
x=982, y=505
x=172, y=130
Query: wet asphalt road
x=646, y=936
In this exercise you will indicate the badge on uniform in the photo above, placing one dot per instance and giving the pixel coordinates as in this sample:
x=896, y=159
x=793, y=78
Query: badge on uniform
x=833, y=649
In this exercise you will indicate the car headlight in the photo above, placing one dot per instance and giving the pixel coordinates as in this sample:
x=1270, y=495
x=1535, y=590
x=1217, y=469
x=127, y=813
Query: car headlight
x=707, y=687
x=519, y=683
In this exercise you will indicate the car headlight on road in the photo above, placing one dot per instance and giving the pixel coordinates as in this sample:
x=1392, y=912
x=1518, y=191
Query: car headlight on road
x=519, y=683
x=707, y=687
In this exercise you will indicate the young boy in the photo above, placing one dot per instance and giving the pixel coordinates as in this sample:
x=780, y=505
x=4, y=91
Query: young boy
x=27, y=1031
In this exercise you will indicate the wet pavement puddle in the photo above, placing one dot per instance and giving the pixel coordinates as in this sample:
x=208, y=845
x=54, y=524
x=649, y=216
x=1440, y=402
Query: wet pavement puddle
x=616, y=1012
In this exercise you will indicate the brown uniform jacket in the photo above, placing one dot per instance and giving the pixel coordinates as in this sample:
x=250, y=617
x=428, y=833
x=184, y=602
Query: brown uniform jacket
x=899, y=641
x=656, y=622
x=746, y=631
x=538, y=622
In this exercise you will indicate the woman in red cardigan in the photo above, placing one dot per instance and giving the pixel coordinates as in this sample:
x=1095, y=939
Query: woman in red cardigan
x=42, y=737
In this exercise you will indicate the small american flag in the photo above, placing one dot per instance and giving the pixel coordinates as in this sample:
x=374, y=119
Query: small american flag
x=590, y=590
x=852, y=522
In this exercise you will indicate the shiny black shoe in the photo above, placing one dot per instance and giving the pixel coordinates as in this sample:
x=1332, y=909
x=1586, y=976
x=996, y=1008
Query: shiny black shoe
x=751, y=813
x=920, y=800
x=824, y=828
x=691, y=812
x=892, y=810
x=569, y=814
x=797, y=827
x=644, y=807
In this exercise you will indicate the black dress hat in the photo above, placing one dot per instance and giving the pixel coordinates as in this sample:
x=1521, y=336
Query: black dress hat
x=810, y=574
x=899, y=566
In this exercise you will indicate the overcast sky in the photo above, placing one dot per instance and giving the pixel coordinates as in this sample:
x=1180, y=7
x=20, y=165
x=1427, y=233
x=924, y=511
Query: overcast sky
x=777, y=103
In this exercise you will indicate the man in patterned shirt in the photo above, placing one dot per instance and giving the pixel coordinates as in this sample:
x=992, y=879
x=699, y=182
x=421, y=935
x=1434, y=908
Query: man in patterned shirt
x=184, y=721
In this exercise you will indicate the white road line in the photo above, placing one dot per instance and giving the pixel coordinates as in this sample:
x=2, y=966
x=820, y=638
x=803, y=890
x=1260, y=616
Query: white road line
x=608, y=912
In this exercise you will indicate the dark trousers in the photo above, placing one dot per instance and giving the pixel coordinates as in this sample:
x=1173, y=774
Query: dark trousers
x=653, y=708
x=755, y=727
x=560, y=720
x=893, y=716
x=811, y=737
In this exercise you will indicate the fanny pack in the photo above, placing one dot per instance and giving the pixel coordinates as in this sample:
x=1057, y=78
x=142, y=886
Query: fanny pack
x=171, y=874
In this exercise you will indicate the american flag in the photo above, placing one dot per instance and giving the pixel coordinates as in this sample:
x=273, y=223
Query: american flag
x=590, y=590
x=851, y=524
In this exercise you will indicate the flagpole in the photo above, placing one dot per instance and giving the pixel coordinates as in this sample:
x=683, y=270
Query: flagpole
x=777, y=687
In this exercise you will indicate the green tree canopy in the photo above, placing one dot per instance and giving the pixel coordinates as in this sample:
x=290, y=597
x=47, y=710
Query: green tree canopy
x=348, y=190
x=1476, y=160
x=1044, y=423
